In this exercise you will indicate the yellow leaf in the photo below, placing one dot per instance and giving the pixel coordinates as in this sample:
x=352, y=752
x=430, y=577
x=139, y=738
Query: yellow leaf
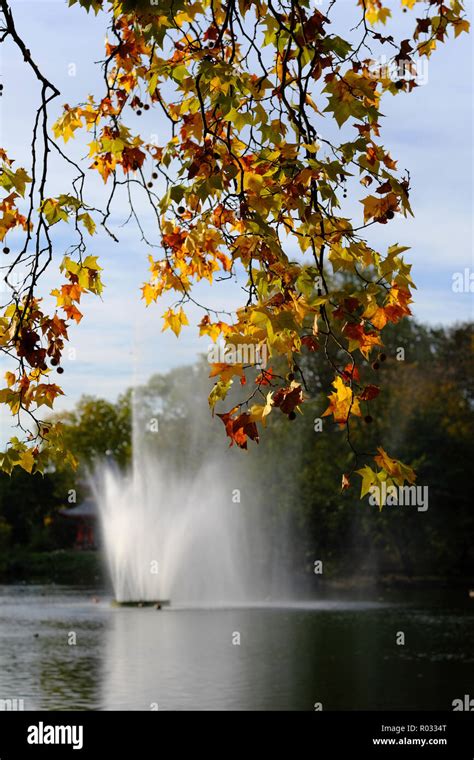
x=174, y=320
x=88, y=222
x=369, y=479
x=66, y=125
x=213, y=329
x=376, y=208
x=461, y=26
x=258, y=412
x=26, y=460
x=226, y=371
x=91, y=263
x=397, y=470
x=149, y=293
x=253, y=182
x=375, y=11
x=342, y=402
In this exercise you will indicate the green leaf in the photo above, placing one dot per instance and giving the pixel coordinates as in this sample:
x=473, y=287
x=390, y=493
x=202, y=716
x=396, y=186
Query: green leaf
x=53, y=211
x=179, y=73
x=337, y=44
x=17, y=180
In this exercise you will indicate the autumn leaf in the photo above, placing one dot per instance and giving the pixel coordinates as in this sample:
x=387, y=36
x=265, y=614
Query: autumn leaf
x=226, y=371
x=54, y=211
x=360, y=339
x=289, y=398
x=342, y=402
x=14, y=180
x=460, y=26
x=67, y=123
x=46, y=393
x=369, y=392
x=174, y=320
x=88, y=222
x=132, y=159
x=350, y=373
x=105, y=164
x=396, y=469
x=26, y=460
x=370, y=480
x=309, y=342
x=219, y=392
x=378, y=208
x=375, y=12
x=149, y=293
x=258, y=412
x=73, y=312
x=213, y=329
x=239, y=428
x=264, y=377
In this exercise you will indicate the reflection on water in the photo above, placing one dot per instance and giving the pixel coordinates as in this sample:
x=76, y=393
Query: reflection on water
x=340, y=653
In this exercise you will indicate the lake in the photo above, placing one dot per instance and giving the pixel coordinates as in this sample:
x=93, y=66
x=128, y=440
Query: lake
x=342, y=653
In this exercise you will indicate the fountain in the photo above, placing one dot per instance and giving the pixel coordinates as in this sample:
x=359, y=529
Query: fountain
x=182, y=535
x=170, y=539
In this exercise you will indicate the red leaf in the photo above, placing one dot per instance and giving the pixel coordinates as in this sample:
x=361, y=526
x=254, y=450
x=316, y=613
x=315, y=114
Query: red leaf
x=369, y=392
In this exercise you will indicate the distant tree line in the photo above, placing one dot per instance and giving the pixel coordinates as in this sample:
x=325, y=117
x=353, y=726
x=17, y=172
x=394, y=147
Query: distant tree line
x=424, y=415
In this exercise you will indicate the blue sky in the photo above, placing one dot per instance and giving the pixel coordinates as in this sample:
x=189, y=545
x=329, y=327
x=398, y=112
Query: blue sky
x=119, y=342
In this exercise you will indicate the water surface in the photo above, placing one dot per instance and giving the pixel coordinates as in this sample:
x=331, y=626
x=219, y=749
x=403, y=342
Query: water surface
x=339, y=652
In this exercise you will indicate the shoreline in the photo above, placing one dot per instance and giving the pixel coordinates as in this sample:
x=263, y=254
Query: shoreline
x=88, y=568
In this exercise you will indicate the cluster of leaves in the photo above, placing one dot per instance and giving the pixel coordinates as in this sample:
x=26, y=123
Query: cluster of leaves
x=32, y=339
x=35, y=339
x=250, y=186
